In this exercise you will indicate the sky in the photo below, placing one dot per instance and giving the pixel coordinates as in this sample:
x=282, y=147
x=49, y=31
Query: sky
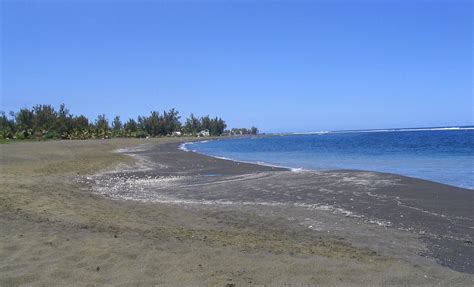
x=283, y=66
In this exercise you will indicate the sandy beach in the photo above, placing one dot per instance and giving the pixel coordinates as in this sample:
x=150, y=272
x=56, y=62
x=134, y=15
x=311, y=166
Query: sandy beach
x=130, y=212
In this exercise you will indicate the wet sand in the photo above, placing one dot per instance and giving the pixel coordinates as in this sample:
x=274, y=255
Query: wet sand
x=78, y=213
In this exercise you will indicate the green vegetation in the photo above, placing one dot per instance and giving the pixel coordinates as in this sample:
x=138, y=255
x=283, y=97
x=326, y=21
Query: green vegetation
x=194, y=125
x=45, y=122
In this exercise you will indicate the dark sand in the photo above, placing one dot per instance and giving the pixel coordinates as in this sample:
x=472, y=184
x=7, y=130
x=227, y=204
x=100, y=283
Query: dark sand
x=168, y=217
x=441, y=215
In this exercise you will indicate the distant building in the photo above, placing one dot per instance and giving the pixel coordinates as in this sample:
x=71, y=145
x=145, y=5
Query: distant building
x=204, y=133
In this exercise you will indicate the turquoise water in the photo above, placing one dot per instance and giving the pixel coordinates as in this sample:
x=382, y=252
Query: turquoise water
x=441, y=155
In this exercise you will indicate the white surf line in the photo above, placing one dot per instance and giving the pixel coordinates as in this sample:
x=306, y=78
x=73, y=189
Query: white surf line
x=293, y=169
x=183, y=146
x=383, y=130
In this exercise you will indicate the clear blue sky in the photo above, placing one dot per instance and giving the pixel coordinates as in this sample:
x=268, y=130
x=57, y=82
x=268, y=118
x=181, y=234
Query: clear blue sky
x=282, y=66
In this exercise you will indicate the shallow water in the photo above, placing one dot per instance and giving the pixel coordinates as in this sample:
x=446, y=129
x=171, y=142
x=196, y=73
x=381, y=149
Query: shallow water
x=445, y=156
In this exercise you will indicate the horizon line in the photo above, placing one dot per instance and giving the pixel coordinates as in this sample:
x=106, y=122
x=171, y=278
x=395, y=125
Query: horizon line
x=436, y=128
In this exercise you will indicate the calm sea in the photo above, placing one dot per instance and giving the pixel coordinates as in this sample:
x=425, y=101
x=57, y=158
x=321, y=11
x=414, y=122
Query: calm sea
x=441, y=155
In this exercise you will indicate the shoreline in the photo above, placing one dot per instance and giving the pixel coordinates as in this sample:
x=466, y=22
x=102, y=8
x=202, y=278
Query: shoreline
x=262, y=226
x=182, y=147
x=295, y=169
x=388, y=200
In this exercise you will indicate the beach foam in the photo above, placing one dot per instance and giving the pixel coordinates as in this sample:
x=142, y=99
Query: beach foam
x=183, y=146
x=387, y=130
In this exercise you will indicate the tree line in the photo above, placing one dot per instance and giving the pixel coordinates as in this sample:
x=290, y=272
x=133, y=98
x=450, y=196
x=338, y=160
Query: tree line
x=45, y=122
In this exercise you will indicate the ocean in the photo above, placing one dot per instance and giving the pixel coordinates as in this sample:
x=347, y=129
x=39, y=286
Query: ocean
x=444, y=155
